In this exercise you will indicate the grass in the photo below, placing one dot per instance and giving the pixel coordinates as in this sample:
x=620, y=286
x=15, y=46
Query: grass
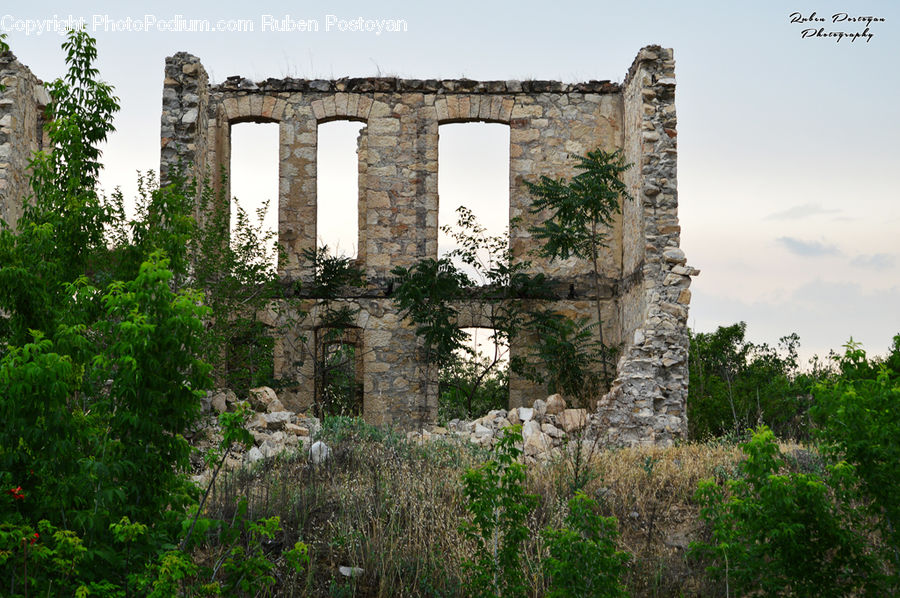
x=393, y=508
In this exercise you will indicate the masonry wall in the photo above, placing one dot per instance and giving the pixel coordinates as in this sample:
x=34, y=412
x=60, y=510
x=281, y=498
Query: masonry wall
x=398, y=212
x=22, y=102
x=647, y=402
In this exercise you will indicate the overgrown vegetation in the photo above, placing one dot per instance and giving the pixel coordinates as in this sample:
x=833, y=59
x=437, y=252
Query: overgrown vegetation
x=112, y=329
x=505, y=298
x=105, y=346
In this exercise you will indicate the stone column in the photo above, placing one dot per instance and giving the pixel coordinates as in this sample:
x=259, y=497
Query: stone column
x=184, y=117
x=22, y=103
x=297, y=190
x=647, y=403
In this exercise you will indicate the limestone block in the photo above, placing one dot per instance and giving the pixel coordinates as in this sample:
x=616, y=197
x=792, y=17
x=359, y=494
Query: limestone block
x=277, y=419
x=555, y=404
x=537, y=444
x=530, y=428
x=261, y=397
x=573, y=419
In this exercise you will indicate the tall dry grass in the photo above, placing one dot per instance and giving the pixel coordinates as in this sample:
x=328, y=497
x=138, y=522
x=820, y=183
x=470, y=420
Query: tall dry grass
x=393, y=508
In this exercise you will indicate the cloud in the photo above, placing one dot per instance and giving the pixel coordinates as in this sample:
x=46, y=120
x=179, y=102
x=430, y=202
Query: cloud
x=875, y=261
x=824, y=313
x=802, y=211
x=808, y=248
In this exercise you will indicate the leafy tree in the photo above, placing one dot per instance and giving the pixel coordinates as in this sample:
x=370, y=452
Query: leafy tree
x=498, y=505
x=736, y=384
x=101, y=338
x=469, y=389
x=775, y=533
x=857, y=420
x=579, y=213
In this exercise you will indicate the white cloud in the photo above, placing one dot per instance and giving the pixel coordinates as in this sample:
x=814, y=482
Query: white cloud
x=802, y=211
x=807, y=248
x=875, y=261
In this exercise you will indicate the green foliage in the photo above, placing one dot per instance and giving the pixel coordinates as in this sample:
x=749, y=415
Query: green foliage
x=777, y=533
x=498, y=505
x=424, y=294
x=857, y=419
x=236, y=270
x=469, y=388
x=565, y=355
x=577, y=214
x=736, y=384
x=63, y=223
x=431, y=292
x=101, y=339
x=580, y=209
x=583, y=560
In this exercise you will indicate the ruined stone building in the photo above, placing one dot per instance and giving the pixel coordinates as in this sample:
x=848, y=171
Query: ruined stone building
x=645, y=280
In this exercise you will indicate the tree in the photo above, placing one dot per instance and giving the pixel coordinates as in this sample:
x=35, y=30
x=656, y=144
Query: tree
x=580, y=212
x=857, y=420
x=432, y=292
x=776, y=533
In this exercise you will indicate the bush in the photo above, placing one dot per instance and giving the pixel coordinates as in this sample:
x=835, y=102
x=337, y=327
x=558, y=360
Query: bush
x=778, y=532
x=857, y=419
x=583, y=559
x=499, y=506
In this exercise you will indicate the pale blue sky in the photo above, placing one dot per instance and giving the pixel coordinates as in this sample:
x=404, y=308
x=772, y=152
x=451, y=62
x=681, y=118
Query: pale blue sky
x=788, y=147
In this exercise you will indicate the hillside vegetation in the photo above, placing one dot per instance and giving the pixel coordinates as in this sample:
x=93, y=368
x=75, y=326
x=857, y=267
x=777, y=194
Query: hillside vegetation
x=114, y=330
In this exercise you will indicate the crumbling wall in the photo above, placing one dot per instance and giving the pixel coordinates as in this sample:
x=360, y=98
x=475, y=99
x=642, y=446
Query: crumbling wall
x=647, y=402
x=22, y=103
x=644, y=281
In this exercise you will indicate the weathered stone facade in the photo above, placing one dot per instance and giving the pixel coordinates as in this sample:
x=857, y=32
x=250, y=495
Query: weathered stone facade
x=22, y=102
x=644, y=291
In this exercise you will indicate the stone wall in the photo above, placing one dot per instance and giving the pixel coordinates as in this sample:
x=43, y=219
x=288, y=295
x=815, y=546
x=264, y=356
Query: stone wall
x=647, y=402
x=644, y=279
x=22, y=102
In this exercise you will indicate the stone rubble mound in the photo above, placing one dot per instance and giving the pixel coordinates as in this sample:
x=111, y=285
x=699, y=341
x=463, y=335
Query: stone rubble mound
x=275, y=431
x=548, y=428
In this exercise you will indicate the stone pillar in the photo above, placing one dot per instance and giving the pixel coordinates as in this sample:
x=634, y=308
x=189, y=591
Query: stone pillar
x=184, y=119
x=297, y=192
x=398, y=139
x=647, y=403
x=22, y=103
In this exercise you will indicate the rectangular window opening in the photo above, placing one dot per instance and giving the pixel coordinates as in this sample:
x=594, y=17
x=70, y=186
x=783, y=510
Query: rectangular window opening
x=254, y=191
x=472, y=384
x=473, y=172
x=337, y=187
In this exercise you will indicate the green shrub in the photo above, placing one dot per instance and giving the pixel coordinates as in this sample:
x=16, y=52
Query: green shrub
x=498, y=506
x=857, y=418
x=583, y=559
x=782, y=533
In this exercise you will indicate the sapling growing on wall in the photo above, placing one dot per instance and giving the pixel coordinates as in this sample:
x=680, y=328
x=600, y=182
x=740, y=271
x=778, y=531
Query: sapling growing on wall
x=579, y=214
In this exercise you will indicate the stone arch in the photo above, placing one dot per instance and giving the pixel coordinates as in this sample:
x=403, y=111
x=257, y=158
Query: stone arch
x=474, y=108
x=254, y=108
x=348, y=106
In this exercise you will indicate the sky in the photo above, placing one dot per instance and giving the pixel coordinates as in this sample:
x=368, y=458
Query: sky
x=788, y=142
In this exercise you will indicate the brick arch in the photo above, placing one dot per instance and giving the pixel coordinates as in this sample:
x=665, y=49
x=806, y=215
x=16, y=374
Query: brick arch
x=259, y=108
x=474, y=108
x=348, y=106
